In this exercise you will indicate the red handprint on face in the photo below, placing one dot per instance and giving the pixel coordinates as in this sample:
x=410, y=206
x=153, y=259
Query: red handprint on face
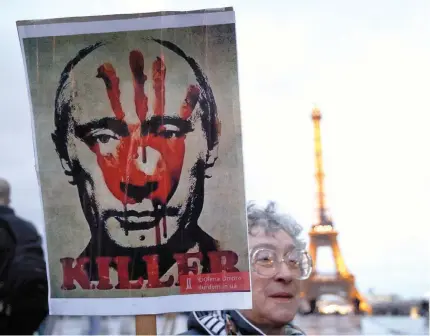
x=143, y=159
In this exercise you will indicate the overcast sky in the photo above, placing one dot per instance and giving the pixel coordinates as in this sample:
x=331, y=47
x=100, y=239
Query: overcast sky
x=366, y=64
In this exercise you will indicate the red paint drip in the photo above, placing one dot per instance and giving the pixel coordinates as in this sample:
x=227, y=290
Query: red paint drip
x=157, y=234
x=164, y=227
x=136, y=61
x=125, y=214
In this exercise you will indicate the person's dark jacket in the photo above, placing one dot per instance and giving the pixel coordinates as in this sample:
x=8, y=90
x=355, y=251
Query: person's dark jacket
x=24, y=287
x=230, y=322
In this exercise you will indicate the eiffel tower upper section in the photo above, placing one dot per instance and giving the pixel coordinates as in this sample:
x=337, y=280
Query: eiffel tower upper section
x=324, y=222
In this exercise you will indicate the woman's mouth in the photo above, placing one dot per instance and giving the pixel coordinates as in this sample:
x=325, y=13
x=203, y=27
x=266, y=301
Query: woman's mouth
x=282, y=296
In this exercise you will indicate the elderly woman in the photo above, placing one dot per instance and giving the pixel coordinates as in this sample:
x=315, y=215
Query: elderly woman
x=279, y=262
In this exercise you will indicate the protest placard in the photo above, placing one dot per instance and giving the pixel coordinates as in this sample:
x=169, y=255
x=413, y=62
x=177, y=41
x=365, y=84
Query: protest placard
x=137, y=132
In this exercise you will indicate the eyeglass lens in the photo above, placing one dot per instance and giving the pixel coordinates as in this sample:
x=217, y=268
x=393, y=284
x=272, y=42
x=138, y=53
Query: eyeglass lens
x=267, y=263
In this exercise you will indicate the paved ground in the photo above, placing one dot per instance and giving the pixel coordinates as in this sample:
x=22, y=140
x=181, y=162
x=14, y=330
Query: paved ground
x=81, y=326
x=312, y=325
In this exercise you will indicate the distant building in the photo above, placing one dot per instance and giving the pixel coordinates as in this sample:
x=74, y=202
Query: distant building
x=376, y=298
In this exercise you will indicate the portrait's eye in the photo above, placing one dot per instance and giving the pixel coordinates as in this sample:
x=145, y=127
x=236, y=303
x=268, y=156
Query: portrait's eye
x=169, y=131
x=103, y=136
x=106, y=139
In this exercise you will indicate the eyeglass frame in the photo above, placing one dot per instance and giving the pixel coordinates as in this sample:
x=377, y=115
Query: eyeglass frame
x=279, y=261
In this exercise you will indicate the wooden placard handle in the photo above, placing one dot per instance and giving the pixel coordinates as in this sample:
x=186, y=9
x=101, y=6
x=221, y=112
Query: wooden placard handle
x=146, y=325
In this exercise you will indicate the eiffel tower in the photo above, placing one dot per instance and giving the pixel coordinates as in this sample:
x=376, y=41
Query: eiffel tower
x=322, y=233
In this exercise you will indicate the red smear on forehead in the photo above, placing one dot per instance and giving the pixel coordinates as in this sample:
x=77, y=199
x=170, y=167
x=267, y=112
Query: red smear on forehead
x=137, y=63
x=190, y=102
x=108, y=74
x=158, y=82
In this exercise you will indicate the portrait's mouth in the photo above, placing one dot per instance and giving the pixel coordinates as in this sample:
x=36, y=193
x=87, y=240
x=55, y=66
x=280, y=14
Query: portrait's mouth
x=139, y=220
x=132, y=220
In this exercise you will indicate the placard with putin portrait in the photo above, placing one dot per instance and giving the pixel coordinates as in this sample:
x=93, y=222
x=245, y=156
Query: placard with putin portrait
x=137, y=132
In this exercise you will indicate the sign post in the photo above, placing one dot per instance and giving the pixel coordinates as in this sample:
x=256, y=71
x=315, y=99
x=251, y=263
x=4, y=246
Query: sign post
x=137, y=130
x=146, y=325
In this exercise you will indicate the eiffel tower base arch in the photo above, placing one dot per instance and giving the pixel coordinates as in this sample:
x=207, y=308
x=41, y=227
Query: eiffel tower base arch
x=341, y=283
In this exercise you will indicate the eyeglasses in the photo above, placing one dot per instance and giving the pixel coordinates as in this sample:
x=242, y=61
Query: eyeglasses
x=266, y=262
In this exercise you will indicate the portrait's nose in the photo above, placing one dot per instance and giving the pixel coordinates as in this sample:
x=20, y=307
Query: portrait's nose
x=138, y=192
x=146, y=159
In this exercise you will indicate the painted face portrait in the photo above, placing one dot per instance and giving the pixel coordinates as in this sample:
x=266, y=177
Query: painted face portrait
x=137, y=132
x=138, y=147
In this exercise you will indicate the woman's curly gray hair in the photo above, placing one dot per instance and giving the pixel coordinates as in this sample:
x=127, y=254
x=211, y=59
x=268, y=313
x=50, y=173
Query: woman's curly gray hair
x=270, y=220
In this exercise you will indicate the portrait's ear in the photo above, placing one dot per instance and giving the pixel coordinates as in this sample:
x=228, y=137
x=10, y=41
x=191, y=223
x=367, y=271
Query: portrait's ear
x=61, y=150
x=211, y=158
x=66, y=167
x=212, y=155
